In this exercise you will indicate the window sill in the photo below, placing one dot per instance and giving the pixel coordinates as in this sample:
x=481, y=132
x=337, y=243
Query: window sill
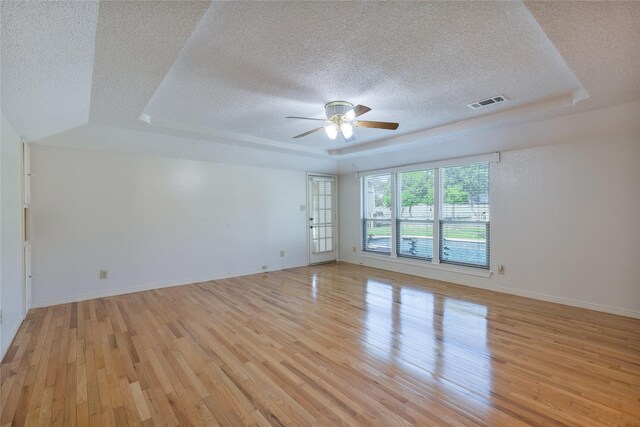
x=428, y=264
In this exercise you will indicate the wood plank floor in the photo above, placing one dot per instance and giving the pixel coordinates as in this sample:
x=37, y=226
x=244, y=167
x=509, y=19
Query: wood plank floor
x=330, y=345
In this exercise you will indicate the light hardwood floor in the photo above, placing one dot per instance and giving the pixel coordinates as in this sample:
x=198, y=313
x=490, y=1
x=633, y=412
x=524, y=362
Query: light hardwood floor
x=330, y=345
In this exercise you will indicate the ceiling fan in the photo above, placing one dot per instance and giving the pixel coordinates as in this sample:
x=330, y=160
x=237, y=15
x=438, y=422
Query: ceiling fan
x=341, y=117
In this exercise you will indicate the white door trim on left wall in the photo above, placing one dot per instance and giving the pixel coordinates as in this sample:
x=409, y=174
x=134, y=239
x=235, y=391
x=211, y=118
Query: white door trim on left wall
x=26, y=227
x=25, y=198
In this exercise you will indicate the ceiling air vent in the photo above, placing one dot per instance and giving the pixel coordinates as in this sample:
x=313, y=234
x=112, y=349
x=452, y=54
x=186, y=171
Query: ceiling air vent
x=487, y=102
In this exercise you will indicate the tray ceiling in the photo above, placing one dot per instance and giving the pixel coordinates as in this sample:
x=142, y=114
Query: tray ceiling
x=248, y=65
x=229, y=72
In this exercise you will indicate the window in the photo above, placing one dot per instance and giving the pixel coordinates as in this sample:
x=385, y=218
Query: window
x=376, y=222
x=464, y=215
x=436, y=215
x=414, y=223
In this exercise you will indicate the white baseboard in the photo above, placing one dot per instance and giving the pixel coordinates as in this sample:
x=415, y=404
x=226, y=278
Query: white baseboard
x=150, y=286
x=8, y=339
x=476, y=283
x=559, y=300
x=567, y=301
x=467, y=281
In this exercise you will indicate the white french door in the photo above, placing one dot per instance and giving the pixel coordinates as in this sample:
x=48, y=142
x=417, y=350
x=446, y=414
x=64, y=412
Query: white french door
x=323, y=238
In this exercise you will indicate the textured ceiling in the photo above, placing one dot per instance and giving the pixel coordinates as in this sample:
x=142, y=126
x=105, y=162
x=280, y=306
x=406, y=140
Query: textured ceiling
x=600, y=41
x=227, y=73
x=46, y=60
x=136, y=45
x=248, y=65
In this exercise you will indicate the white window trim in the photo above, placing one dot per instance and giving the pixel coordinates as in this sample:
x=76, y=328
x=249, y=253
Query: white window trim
x=435, y=258
x=471, y=271
x=458, y=161
x=394, y=216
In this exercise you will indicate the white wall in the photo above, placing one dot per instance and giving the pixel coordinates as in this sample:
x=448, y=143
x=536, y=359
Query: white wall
x=11, y=233
x=564, y=219
x=564, y=223
x=153, y=221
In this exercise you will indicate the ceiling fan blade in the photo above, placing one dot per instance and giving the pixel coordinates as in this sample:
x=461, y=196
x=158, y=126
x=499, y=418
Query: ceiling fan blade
x=305, y=118
x=376, y=125
x=310, y=132
x=360, y=110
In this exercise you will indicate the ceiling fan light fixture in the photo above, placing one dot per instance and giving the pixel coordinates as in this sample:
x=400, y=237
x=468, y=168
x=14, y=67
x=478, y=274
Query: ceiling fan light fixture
x=341, y=117
x=346, y=129
x=337, y=108
x=349, y=115
x=331, y=130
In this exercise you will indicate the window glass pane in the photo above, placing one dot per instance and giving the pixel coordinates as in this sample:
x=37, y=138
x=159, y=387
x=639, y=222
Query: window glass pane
x=415, y=195
x=415, y=239
x=377, y=236
x=464, y=215
x=465, y=193
x=465, y=243
x=415, y=214
x=377, y=197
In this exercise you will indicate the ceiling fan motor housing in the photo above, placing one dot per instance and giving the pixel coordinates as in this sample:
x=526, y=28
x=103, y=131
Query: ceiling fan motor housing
x=337, y=108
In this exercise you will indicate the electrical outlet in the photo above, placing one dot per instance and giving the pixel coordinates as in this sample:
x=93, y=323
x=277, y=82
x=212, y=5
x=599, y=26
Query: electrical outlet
x=264, y=267
x=281, y=254
x=103, y=274
x=302, y=208
x=501, y=269
x=354, y=249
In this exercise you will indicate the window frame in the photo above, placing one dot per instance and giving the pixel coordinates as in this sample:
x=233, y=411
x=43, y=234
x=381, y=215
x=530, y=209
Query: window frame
x=487, y=225
x=436, y=260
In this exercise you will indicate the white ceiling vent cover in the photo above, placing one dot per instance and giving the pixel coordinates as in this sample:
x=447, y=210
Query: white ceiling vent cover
x=487, y=102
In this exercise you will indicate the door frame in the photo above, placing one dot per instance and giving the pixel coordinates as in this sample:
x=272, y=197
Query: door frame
x=336, y=219
x=26, y=227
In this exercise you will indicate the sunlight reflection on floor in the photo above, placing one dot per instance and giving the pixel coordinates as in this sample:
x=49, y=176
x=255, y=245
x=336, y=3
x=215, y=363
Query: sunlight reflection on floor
x=435, y=338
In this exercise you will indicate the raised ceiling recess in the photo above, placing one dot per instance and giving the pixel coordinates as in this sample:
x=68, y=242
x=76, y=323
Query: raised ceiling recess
x=421, y=65
x=224, y=75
